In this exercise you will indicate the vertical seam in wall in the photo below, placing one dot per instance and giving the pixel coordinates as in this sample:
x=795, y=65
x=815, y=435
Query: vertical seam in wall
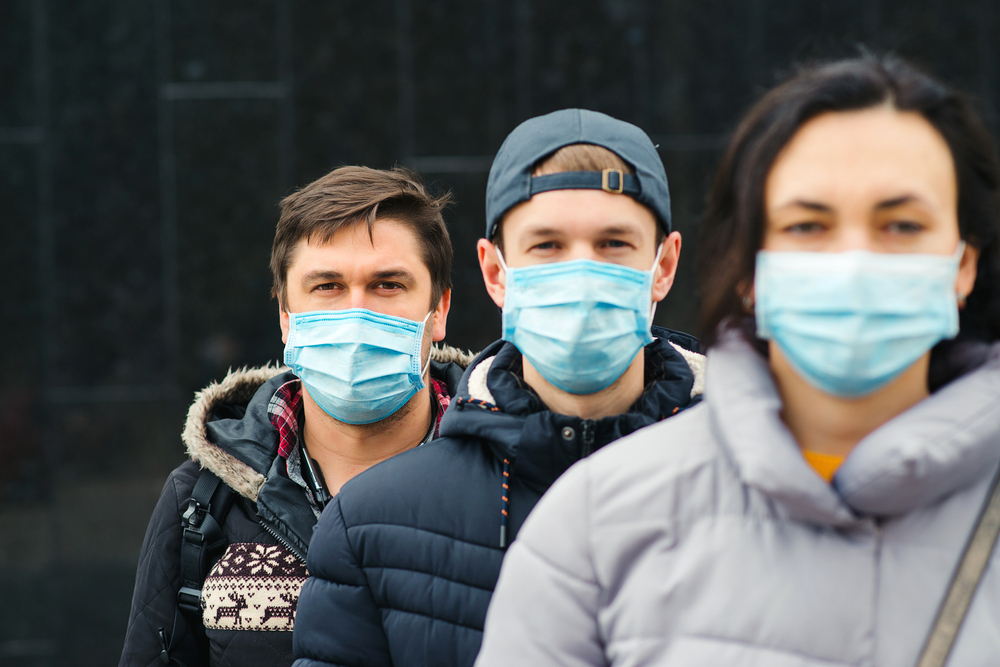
x=987, y=71
x=755, y=45
x=404, y=79
x=168, y=196
x=47, y=300
x=43, y=184
x=286, y=73
x=522, y=65
x=46, y=236
x=640, y=42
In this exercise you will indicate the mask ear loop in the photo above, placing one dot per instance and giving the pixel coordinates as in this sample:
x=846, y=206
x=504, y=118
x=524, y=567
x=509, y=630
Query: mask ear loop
x=503, y=264
x=957, y=257
x=652, y=271
x=423, y=327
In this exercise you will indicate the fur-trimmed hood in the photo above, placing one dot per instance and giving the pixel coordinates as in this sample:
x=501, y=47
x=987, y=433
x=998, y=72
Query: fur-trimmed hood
x=232, y=397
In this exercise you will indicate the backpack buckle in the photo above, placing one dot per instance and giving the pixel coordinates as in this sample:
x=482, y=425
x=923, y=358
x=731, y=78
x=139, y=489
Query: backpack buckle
x=195, y=513
x=189, y=599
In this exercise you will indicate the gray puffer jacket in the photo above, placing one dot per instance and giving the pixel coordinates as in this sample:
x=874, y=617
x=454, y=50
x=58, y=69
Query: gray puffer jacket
x=707, y=540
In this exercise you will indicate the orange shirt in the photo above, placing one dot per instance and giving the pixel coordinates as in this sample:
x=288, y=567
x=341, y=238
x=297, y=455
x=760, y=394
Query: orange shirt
x=825, y=465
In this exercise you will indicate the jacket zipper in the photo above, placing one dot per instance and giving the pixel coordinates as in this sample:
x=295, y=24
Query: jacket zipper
x=588, y=436
x=281, y=540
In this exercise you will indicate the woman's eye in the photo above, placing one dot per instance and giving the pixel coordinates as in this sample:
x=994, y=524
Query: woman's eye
x=805, y=228
x=904, y=227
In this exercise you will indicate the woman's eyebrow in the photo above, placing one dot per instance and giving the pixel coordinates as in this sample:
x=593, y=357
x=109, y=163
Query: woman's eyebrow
x=811, y=205
x=898, y=201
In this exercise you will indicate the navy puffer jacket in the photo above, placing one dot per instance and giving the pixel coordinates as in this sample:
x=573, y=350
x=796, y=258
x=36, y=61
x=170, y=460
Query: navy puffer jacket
x=404, y=560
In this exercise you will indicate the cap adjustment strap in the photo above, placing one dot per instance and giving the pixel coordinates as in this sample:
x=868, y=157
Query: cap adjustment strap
x=609, y=180
x=606, y=181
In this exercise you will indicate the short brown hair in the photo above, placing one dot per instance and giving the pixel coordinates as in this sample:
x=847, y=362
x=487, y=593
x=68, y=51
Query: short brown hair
x=581, y=157
x=351, y=195
x=578, y=157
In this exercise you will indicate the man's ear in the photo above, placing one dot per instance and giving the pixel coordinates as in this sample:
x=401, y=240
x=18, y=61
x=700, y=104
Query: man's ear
x=283, y=320
x=440, y=317
x=666, y=268
x=494, y=276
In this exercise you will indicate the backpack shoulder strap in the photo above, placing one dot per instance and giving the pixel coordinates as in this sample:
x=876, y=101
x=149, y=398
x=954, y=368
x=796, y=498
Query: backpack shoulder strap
x=201, y=540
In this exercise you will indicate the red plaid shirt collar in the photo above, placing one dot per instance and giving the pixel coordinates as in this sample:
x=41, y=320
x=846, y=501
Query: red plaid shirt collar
x=284, y=408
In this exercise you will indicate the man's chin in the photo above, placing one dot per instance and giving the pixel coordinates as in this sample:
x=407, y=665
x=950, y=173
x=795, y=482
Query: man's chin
x=386, y=423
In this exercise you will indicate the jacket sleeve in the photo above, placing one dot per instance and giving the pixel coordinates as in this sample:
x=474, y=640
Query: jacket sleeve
x=157, y=580
x=337, y=621
x=544, y=609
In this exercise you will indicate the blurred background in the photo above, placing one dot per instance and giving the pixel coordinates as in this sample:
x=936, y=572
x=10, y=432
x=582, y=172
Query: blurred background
x=144, y=147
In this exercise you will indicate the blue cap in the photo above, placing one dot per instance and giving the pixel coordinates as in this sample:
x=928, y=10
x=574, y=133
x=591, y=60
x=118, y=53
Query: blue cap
x=511, y=182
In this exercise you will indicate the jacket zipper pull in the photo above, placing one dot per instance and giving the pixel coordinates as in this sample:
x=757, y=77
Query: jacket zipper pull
x=588, y=436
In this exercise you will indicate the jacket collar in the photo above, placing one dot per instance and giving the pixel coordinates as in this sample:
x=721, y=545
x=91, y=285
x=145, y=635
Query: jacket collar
x=495, y=405
x=938, y=446
x=228, y=430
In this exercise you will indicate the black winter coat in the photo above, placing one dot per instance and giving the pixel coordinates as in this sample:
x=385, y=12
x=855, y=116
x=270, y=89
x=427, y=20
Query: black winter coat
x=405, y=558
x=250, y=596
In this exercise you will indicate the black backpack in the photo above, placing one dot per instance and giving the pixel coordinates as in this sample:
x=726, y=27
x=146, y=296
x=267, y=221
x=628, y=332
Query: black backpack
x=202, y=542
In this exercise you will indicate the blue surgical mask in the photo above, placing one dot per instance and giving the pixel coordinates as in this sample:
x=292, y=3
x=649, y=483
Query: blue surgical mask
x=851, y=322
x=580, y=323
x=358, y=365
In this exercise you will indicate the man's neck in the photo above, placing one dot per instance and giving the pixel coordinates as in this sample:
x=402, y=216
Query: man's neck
x=827, y=424
x=612, y=400
x=345, y=450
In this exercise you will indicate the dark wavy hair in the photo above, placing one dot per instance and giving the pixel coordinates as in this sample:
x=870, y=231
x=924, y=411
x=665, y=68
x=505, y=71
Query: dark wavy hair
x=732, y=229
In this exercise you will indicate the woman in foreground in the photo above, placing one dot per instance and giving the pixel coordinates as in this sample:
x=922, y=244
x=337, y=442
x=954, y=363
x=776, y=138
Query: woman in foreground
x=812, y=510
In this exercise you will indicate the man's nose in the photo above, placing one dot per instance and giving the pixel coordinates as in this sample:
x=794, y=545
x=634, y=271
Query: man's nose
x=358, y=298
x=582, y=251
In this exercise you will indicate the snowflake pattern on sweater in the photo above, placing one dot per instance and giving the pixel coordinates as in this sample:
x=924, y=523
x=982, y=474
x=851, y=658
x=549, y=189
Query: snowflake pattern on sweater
x=253, y=587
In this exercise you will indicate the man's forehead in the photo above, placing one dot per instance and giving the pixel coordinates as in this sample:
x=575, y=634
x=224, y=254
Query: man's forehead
x=574, y=216
x=388, y=244
x=610, y=227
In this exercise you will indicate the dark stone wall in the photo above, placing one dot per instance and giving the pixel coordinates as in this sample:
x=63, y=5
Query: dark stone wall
x=144, y=147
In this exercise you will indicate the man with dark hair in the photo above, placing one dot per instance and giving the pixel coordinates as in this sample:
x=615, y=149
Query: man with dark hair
x=578, y=251
x=361, y=263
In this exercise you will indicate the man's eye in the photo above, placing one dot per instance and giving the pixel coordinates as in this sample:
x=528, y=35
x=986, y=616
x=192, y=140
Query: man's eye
x=615, y=243
x=547, y=245
x=388, y=286
x=327, y=286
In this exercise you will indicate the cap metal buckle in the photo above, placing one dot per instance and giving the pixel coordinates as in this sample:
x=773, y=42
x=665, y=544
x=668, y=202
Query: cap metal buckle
x=606, y=181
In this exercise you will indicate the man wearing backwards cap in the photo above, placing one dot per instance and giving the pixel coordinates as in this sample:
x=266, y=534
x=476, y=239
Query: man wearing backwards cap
x=578, y=251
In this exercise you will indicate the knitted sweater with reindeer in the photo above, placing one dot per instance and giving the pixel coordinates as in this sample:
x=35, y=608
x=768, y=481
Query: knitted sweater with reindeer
x=250, y=595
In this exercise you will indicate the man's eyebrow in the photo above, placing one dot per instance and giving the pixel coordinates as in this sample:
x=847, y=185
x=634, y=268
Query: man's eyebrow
x=395, y=273
x=542, y=231
x=321, y=276
x=620, y=229
x=613, y=228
